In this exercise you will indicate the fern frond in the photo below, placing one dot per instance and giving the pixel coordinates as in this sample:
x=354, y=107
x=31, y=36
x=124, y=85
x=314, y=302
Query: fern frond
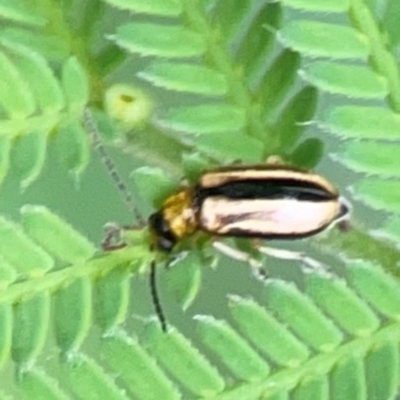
x=291, y=342
x=65, y=284
x=240, y=97
x=36, y=104
x=374, y=76
x=352, y=342
x=232, y=66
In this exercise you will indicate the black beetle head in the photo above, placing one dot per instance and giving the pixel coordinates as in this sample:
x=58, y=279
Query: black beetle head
x=164, y=238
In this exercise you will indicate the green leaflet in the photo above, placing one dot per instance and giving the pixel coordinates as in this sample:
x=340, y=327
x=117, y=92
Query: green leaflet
x=184, y=278
x=5, y=149
x=237, y=10
x=194, y=165
x=391, y=229
x=379, y=194
x=51, y=47
x=316, y=387
x=112, y=299
x=257, y=44
x=355, y=317
x=204, y=119
x=84, y=375
x=278, y=81
x=55, y=235
x=19, y=12
x=158, y=40
x=156, y=7
x=8, y=274
x=15, y=96
x=183, y=361
x=36, y=384
x=348, y=80
x=6, y=333
x=29, y=156
x=307, y=153
x=73, y=147
x=376, y=287
x=75, y=84
x=383, y=358
x=21, y=252
x=230, y=146
x=389, y=20
x=185, y=78
x=303, y=316
x=318, y=6
x=221, y=338
x=348, y=379
x=363, y=122
x=293, y=119
x=318, y=39
x=364, y=157
x=44, y=85
x=267, y=333
x=31, y=319
x=73, y=314
x=146, y=380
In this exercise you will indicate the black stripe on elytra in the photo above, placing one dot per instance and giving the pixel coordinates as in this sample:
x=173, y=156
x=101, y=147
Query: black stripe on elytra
x=272, y=189
x=237, y=232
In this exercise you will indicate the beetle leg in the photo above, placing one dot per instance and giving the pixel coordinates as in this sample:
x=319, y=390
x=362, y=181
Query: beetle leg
x=256, y=266
x=113, y=239
x=174, y=258
x=344, y=226
x=291, y=255
x=114, y=236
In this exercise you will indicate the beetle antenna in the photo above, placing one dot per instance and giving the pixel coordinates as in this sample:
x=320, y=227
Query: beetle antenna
x=156, y=299
x=112, y=170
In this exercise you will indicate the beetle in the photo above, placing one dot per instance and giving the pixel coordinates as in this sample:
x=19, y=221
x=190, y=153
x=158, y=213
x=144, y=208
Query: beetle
x=259, y=201
x=269, y=201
